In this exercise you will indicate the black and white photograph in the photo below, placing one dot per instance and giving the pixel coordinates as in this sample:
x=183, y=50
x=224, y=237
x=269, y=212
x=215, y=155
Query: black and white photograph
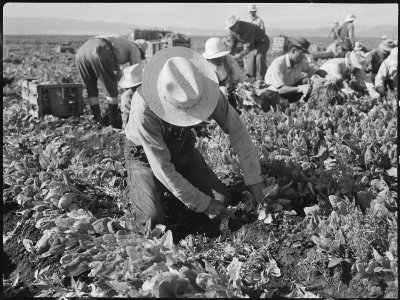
x=200, y=150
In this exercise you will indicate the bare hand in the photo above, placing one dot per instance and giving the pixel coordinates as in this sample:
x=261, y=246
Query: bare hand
x=216, y=208
x=304, y=88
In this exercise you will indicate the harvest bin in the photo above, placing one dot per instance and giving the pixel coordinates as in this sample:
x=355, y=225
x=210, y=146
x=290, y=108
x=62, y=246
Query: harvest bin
x=57, y=99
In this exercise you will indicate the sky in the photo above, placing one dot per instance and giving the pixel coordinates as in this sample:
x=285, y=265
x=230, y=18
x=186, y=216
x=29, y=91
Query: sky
x=209, y=15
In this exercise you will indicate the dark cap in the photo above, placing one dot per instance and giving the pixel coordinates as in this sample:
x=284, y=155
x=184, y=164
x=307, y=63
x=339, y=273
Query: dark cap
x=299, y=42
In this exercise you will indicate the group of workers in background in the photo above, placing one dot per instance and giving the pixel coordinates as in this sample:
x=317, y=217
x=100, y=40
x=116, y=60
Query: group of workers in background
x=178, y=89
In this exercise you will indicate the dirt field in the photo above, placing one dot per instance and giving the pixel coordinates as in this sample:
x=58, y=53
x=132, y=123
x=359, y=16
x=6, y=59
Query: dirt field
x=335, y=236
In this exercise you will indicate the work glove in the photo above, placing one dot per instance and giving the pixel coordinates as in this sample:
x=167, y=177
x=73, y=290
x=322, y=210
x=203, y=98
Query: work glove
x=304, y=88
x=216, y=209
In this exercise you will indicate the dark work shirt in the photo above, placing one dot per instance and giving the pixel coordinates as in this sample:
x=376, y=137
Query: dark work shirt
x=377, y=58
x=249, y=35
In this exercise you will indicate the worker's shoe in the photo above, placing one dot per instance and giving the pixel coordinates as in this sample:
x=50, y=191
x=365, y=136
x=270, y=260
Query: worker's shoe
x=97, y=113
x=114, y=116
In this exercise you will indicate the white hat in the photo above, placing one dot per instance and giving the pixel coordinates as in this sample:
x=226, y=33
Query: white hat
x=252, y=7
x=384, y=37
x=358, y=46
x=214, y=48
x=350, y=17
x=336, y=22
x=393, y=55
x=180, y=86
x=132, y=76
x=142, y=44
x=230, y=21
x=359, y=59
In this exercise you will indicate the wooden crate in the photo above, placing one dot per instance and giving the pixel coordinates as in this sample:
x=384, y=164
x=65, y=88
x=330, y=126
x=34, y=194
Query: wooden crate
x=64, y=49
x=154, y=46
x=279, y=44
x=58, y=99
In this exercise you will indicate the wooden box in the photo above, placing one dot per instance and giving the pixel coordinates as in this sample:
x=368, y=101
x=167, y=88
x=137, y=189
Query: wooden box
x=57, y=99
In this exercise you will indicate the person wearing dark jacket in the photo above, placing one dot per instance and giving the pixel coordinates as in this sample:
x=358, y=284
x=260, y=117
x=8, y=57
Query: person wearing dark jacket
x=379, y=54
x=99, y=58
x=255, y=45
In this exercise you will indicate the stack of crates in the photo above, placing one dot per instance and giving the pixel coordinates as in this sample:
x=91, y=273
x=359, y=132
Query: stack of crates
x=57, y=99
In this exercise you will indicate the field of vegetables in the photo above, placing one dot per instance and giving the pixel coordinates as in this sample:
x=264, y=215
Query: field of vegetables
x=329, y=228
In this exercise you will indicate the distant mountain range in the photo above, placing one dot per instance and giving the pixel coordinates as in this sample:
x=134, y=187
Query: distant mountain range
x=56, y=26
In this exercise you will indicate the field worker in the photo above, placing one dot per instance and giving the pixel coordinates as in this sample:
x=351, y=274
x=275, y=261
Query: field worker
x=333, y=33
x=379, y=54
x=337, y=48
x=131, y=80
x=227, y=69
x=337, y=69
x=180, y=89
x=346, y=31
x=386, y=78
x=284, y=76
x=99, y=59
x=254, y=19
x=255, y=46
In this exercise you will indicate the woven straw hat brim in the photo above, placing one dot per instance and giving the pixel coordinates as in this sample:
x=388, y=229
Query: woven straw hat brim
x=216, y=54
x=126, y=83
x=167, y=111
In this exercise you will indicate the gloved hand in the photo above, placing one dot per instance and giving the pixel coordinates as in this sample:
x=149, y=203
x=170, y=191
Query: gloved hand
x=304, y=88
x=216, y=208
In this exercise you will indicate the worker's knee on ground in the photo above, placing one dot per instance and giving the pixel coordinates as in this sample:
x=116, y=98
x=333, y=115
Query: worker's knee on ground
x=93, y=101
x=111, y=100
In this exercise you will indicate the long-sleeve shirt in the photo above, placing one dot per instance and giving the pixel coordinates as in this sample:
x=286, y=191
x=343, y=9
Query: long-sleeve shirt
x=146, y=129
x=281, y=72
x=125, y=50
x=346, y=31
x=333, y=32
x=377, y=57
x=259, y=22
x=229, y=72
x=338, y=67
x=387, y=70
x=249, y=35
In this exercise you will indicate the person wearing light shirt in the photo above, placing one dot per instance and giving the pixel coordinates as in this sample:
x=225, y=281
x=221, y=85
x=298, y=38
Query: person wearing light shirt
x=227, y=69
x=284, y=76
x=387, y=73
x=336, y=70
x=180, y=90
x=256, y=20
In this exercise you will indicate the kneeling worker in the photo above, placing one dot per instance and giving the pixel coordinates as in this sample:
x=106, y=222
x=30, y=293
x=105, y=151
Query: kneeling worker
x=180, y=89
x=284, y=79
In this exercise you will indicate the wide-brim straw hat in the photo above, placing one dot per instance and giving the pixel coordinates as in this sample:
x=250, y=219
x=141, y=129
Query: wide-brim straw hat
x=387, y=45
x=350, y=17
x=180, y=86
x=142, y=44
x=131, y=76
x=252, y=7
x=230, y=21
x=214, y=48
